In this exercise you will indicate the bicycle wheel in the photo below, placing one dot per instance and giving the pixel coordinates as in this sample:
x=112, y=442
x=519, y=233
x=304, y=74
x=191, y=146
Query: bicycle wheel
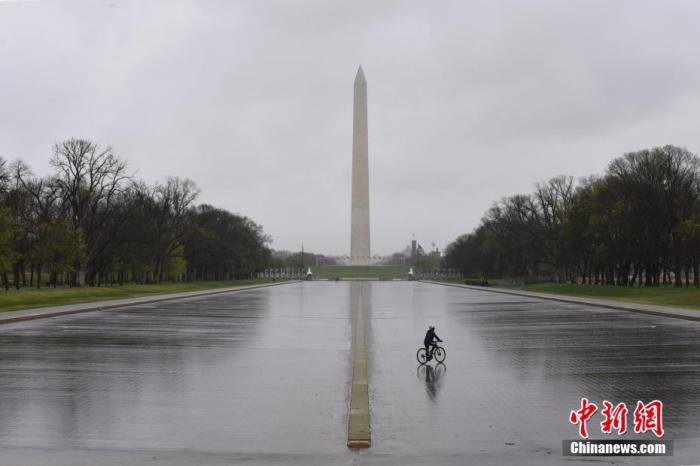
x=421, y=355
x=440, y=353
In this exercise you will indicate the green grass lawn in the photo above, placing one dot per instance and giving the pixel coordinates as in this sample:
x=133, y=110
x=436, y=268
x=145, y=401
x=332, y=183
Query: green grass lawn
x=27, y=298
x=370, y=271
x=681, y=297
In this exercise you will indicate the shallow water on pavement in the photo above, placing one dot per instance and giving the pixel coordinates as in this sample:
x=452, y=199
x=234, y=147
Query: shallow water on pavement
x=262, y=377
x=257, y=372
x=515, y=368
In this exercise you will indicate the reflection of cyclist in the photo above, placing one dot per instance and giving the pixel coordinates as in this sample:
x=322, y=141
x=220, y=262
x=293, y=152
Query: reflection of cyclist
x=429, y=340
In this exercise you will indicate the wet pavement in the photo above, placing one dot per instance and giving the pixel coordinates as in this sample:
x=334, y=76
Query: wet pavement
x=260, y=374
x=515, y=368
x=262, y=377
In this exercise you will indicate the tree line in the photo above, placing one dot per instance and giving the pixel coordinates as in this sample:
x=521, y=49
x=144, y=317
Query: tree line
x=638, y=224
x=287, y=259
x=90, y=223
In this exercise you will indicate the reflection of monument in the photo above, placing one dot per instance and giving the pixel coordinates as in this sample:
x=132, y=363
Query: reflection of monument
x=359, y=225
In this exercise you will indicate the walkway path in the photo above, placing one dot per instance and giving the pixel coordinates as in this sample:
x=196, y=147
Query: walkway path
x=54, y=311
x=652, y=309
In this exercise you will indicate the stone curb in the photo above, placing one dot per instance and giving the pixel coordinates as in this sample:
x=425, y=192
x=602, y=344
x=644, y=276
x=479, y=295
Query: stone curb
x=662, y=311
x=55, y=311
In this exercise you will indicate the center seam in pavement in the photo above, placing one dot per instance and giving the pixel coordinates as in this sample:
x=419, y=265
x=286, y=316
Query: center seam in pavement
x=358, y=420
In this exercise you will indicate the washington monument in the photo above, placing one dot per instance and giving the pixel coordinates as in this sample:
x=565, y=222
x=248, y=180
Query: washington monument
x=359, y=228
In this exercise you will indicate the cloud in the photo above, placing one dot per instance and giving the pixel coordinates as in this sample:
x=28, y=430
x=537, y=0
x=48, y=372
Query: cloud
x=468, y=101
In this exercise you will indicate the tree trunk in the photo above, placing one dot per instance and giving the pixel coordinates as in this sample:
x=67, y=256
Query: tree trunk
x=81, y=275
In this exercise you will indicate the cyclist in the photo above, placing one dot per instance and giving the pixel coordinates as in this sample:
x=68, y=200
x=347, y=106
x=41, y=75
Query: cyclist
x=429, y=342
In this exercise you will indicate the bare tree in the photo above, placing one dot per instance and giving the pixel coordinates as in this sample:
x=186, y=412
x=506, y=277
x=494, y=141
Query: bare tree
x=173, y=200
x=553, y=200
x=90, y=179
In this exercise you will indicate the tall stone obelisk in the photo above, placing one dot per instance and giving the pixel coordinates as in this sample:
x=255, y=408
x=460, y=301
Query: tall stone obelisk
x=359, y=228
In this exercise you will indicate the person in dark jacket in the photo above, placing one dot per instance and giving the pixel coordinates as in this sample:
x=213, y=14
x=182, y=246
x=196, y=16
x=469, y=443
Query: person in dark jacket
x=429, y=340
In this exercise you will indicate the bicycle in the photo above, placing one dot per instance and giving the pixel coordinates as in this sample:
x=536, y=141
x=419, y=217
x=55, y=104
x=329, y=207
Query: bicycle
x=438, y=352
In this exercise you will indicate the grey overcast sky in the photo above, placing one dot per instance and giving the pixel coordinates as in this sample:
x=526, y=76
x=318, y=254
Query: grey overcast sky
x=468, y=101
